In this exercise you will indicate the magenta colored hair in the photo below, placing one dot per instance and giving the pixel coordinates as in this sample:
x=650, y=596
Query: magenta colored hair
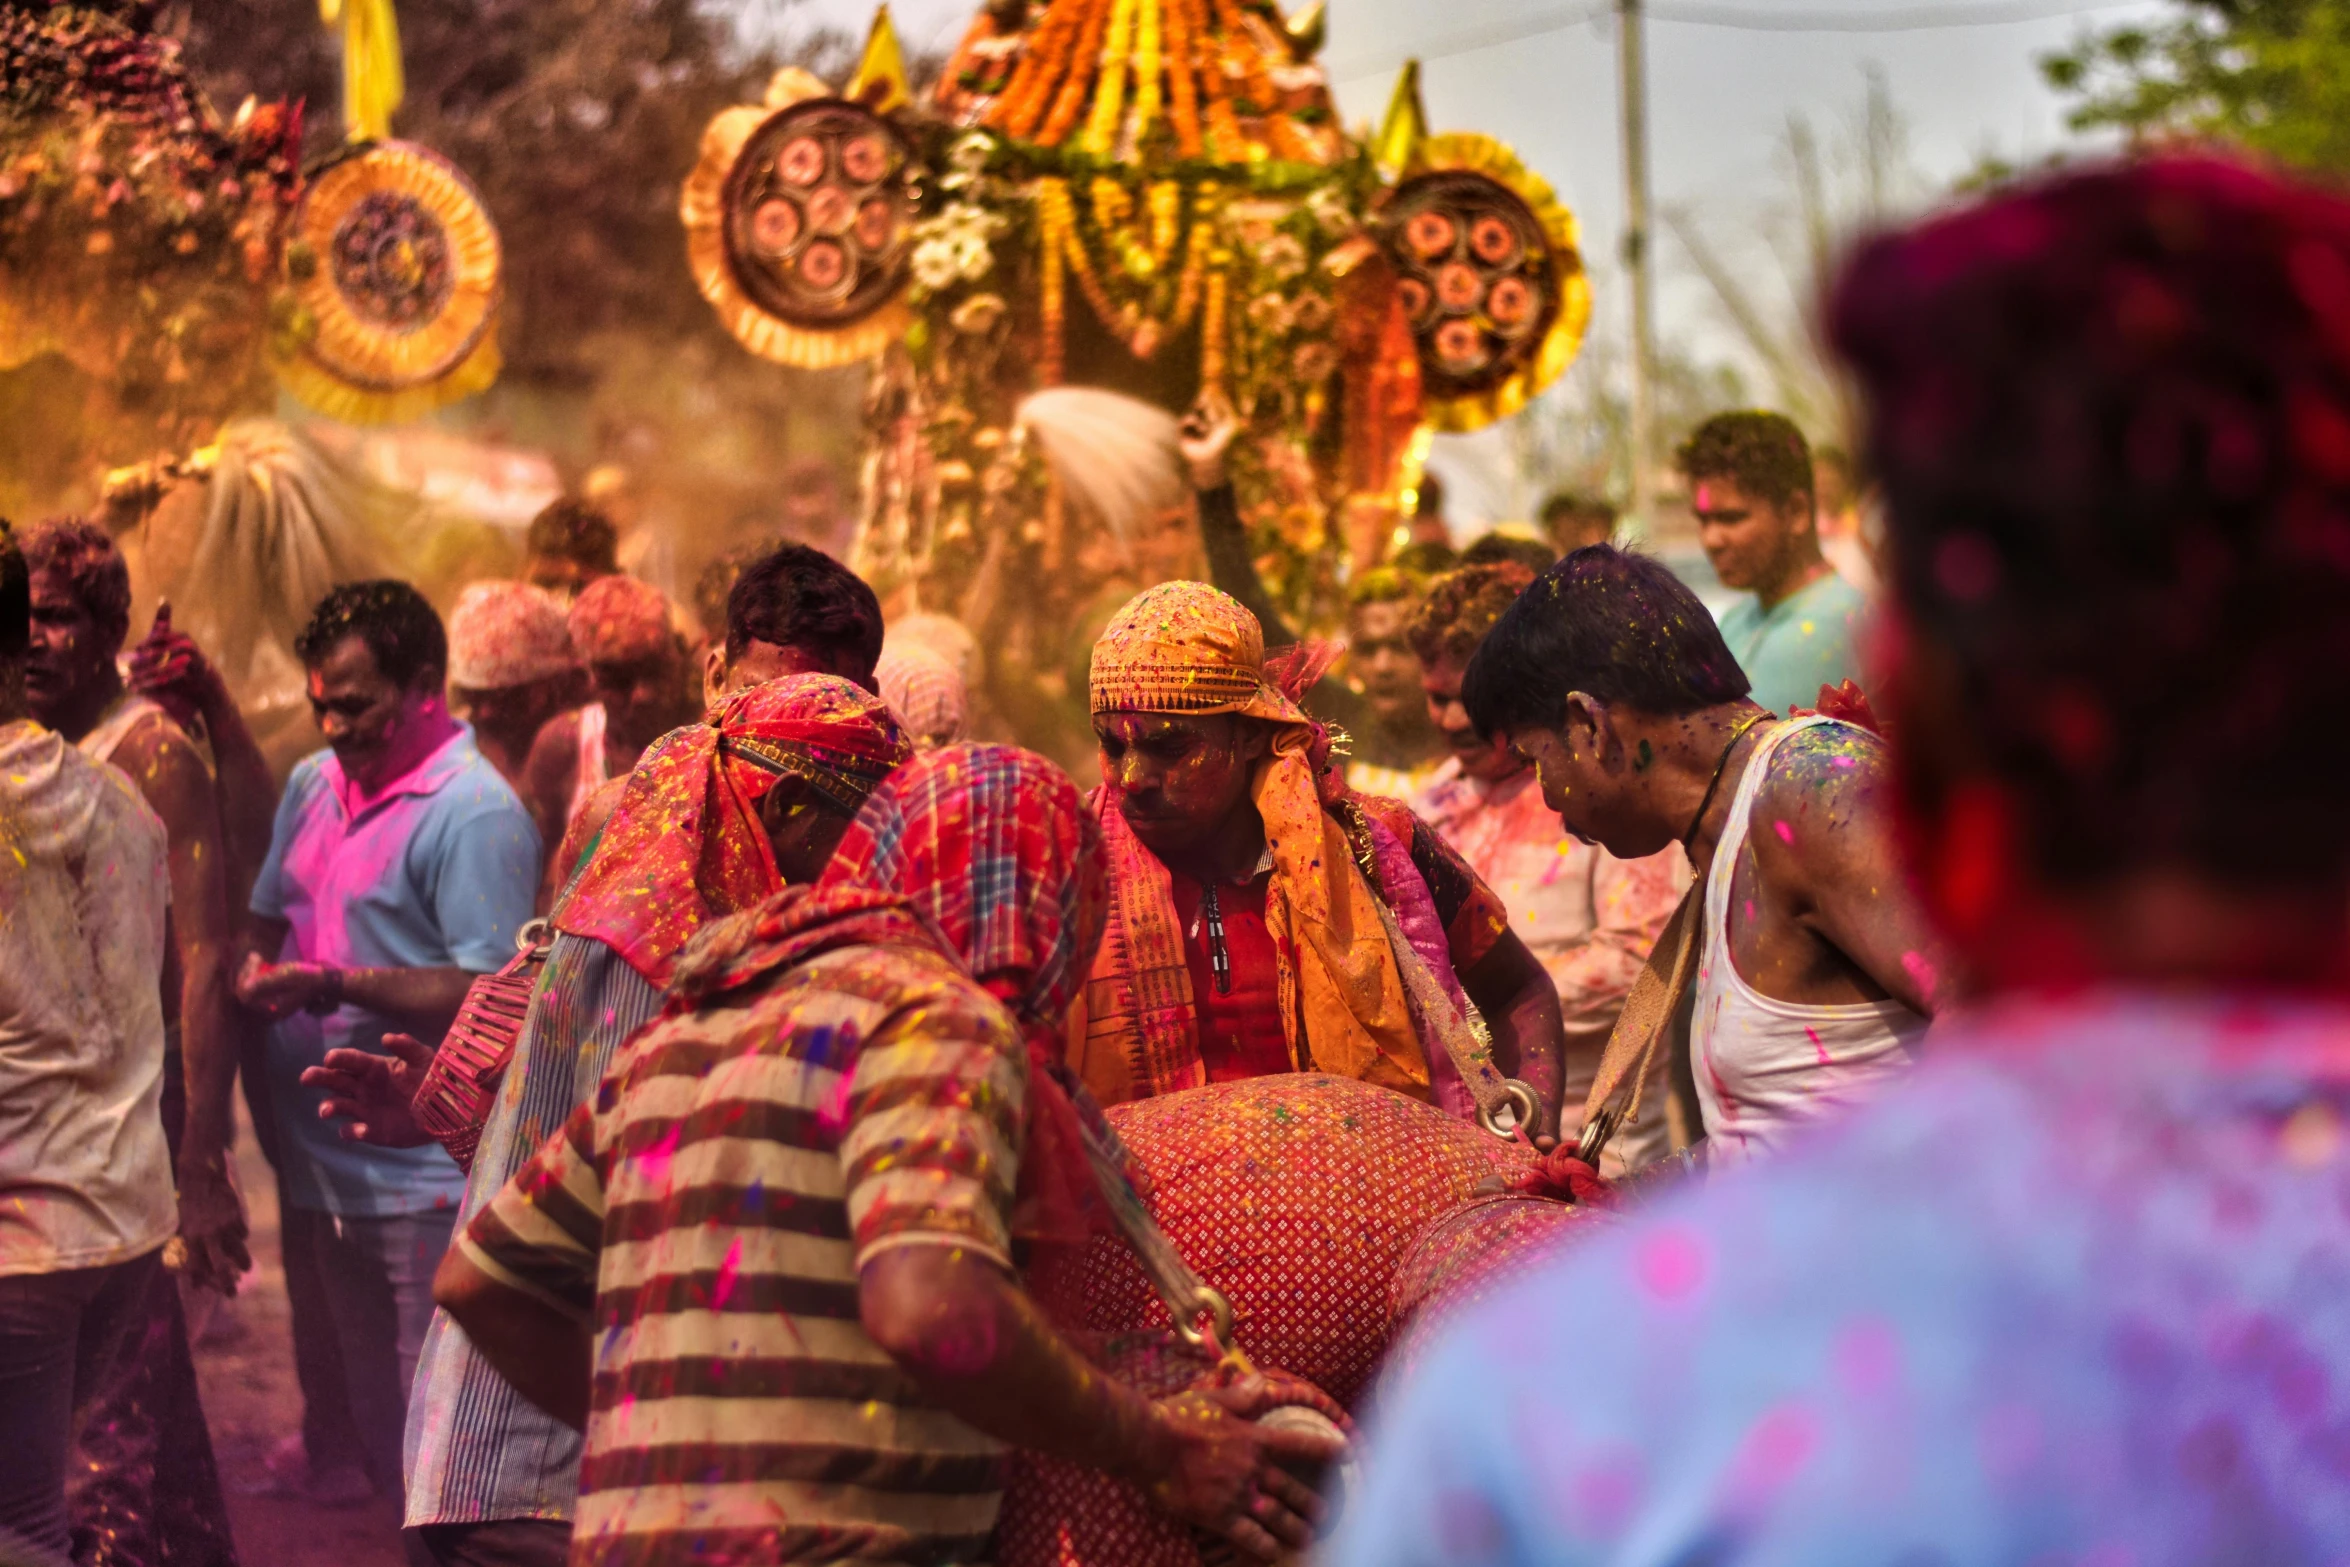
x=2111, y=416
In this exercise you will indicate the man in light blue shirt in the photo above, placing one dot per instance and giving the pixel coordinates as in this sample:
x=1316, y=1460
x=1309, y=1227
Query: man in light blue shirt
x=401, y=867
x=1750, y=484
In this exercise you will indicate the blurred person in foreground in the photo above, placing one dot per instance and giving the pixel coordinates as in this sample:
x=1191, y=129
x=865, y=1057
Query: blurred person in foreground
x=2080, y=1289
x=147, y=1475
x=717, y=817
x=571, y=543
x=401, y=868
x=511, y=669
x=1750, y=485
x=914, y=994
x=1589, y=917
x=86, y=1204
x=1266, y=918
x=1813, y=968
x=640, y=685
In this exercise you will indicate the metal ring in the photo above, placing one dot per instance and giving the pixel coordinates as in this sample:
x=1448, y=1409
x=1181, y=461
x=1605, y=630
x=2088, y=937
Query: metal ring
x=1522, y=1098
x=534, y=933
x=1206, y=1301
x=1596, y=1132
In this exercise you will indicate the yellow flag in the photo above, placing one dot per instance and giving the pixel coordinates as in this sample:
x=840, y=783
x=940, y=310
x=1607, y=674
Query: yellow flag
x=880, y=82
x=373, y=81
x=1405, y=127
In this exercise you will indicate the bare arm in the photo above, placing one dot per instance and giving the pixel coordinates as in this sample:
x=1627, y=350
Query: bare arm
x=548, y=774
x=1823, y=841
x=927, y=1305
x=422, y=1001
x=170, y=668
x=172, y=777
x=1521, y=1008
x=548, y=1354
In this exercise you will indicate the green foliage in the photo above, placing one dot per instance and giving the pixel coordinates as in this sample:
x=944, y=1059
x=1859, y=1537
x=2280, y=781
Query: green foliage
x=2272, y=76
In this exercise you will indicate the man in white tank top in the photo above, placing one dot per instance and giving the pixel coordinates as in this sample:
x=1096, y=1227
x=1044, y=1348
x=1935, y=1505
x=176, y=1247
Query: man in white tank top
x=1816, y=973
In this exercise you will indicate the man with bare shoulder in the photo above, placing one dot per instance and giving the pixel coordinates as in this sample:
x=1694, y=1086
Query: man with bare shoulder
x=1815, y=973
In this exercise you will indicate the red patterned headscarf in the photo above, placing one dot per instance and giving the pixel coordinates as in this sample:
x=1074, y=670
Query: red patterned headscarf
x=685, y=844
x=994, y=848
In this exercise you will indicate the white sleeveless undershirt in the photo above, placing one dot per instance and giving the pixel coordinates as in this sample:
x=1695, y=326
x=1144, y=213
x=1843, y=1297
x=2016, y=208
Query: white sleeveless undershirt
x=591, y=775
x=1766, y=1068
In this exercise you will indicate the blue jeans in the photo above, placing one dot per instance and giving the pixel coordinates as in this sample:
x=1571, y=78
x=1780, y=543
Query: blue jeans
x=376, y=1274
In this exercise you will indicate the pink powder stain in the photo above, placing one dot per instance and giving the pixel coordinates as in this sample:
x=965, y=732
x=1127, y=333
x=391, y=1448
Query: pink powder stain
x=1867, y=1356
x=1605, y=1495
x=1818, y=1049
x=1775, y=1451
x=1918, y=968
x=654, y=1159
x=1843, y=761
x=1785, y=832
x=722, y=1290
x=1672, y=1265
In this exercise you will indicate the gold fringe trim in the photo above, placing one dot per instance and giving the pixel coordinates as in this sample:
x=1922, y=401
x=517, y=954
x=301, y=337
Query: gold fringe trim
x=320, y=389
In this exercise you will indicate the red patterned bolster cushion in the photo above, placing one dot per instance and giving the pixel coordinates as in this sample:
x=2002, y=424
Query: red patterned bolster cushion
x=1061, y=1514
x=1467, y=1254
x=1297, y=1196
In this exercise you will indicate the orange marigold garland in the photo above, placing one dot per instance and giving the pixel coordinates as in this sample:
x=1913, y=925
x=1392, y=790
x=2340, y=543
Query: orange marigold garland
x=1072, y=95
x=1182, y=85
x=1043, y=58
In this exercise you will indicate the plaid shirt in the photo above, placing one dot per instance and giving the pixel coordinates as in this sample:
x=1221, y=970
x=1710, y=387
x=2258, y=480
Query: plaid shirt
x=477, y=1450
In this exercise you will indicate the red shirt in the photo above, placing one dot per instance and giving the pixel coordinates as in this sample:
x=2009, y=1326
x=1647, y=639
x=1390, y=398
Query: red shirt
x=1240, y=1033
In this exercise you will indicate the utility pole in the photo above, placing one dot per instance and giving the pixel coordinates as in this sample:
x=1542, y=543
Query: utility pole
x=1630, y=62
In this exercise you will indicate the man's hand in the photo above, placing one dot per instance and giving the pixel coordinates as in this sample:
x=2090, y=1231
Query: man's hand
x=372, y=1093
x=212, y=1227
x=1227, y=1475
x=1205, y=435
x=279, y=990
x=170, y=668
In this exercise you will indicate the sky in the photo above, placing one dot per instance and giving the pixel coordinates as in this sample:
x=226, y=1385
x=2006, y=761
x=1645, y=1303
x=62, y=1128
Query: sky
x=1719, y=101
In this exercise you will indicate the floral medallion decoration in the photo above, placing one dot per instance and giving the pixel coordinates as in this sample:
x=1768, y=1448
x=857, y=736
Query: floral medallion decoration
x=392, y=276
x=800, y=225
x=1489, y=276
x=1154, y=197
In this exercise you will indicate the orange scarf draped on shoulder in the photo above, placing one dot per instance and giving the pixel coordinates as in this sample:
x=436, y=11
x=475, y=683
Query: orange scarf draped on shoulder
x=1183, y=647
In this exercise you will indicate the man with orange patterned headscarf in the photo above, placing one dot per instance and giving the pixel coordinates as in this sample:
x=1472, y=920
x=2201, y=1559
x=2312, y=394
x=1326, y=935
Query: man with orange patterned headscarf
x=1263, y=917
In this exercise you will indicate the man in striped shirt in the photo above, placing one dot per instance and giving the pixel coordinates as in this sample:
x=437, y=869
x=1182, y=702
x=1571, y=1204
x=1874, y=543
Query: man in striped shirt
x=769, y=1270
x=490, y=1478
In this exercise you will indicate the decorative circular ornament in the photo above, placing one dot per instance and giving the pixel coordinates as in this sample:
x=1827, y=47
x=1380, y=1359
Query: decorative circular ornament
x=394, y=266
x=796, y=224
x=1490, y=276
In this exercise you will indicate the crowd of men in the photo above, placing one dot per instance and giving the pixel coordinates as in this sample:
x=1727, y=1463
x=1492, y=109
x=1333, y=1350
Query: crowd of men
x=821, y=994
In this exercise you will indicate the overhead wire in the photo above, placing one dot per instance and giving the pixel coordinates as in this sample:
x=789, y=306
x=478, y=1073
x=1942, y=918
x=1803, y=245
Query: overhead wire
x=1695, y=13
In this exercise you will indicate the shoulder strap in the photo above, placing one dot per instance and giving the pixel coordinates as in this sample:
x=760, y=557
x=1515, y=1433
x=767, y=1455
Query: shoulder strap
x=1644, y=1026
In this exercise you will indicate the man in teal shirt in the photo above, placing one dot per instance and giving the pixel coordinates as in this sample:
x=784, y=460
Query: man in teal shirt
x=1750, y=484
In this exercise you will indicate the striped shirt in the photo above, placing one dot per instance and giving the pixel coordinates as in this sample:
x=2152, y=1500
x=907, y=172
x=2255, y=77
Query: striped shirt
x=477, y=1450
x=708, y=1215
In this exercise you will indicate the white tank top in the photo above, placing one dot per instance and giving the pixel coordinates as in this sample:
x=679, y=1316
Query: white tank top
x=1765, y=1068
